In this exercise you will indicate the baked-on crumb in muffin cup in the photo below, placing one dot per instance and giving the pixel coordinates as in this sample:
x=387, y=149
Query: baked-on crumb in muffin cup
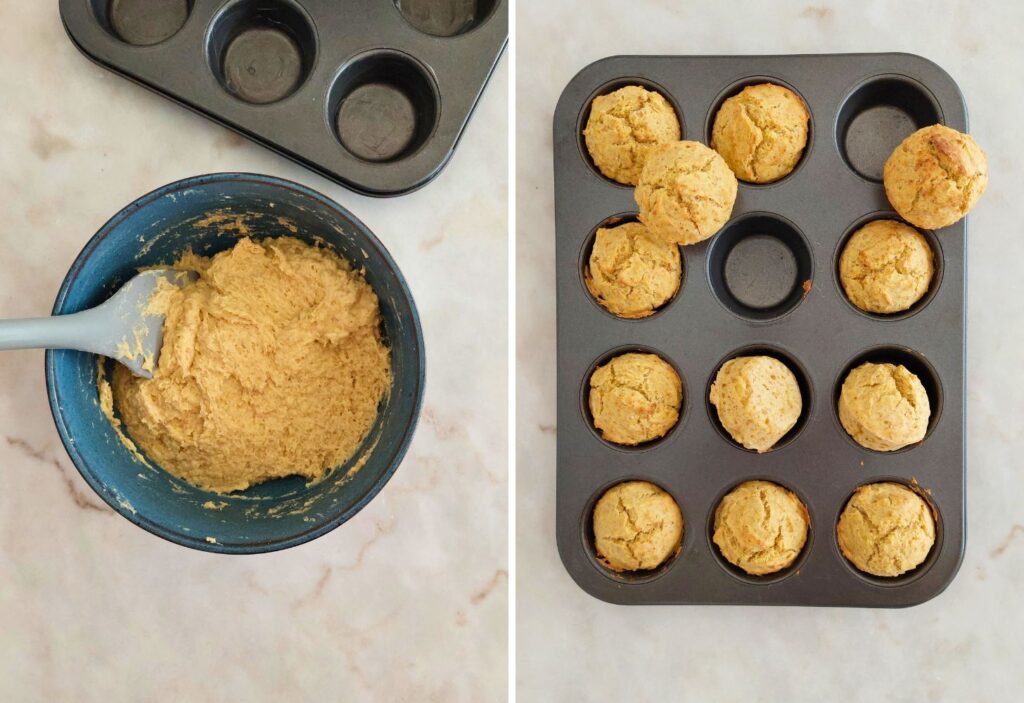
x=757, y=399
x=624, y=126
x=635, y=398
x=685, y=193
x=761, y=132
x=886, y=529
x=886, y=266
x=884, y=407
x=637, y=527
x=631, y=273
x=935, y=176
x=761, y=527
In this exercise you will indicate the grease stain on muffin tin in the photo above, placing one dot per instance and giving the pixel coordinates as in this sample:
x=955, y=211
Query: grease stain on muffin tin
x=698, y=329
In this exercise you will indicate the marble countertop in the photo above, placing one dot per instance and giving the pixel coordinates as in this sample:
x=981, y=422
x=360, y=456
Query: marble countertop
x=407, y=601
x=968, y=643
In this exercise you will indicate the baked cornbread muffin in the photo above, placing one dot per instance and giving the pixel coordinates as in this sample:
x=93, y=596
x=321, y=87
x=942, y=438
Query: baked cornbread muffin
x=886, y=529
x=935, y=176
x=886, y=267
x=637, y=526
x=761, y=132
x=758, y=400
x=884, y=407
x=761, y=527
x=685, y=192
x=630, y=272
x=635, y=398
x=623, y=128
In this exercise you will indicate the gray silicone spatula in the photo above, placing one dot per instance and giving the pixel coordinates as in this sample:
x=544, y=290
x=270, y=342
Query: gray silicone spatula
x=120, y=328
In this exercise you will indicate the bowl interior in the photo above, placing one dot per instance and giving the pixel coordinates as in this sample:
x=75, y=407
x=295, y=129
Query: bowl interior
x=204, y=214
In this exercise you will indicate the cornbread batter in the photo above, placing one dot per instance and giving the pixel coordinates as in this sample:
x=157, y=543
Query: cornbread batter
x=272, y=365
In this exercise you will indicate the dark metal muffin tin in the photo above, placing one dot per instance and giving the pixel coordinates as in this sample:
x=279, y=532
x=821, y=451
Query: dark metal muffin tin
x=767, y=283
x=372, y=94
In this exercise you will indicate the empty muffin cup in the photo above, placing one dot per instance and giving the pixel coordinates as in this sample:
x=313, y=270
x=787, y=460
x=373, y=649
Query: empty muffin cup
x=383, y=106
x=446, y=18
x=878, y=115
x=261, y=51
x=142, y=22
x=760, y=266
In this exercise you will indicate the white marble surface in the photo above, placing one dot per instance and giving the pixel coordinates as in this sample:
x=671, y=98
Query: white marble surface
x=407, y=602
x=966, y=645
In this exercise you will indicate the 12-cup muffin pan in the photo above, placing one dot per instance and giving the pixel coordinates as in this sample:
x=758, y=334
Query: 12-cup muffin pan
x=767, y=283
x=372, y=94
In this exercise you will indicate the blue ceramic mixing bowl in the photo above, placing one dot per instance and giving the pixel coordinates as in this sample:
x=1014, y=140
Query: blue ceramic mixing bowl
x=155, y=230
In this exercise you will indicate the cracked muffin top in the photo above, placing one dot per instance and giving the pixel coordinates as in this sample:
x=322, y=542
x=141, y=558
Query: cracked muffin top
x=935, y=176
x=630, y=273
x=761, y=132
x=624, y=126
x=635, y=398
x=886, y=529
x=685, y=193
x=884, y=407
x=757, y=399
x=637, y=526
x=761, y=527
x=886, y=267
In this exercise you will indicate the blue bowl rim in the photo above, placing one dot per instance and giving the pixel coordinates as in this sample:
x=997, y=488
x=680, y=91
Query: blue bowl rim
x=193, y=541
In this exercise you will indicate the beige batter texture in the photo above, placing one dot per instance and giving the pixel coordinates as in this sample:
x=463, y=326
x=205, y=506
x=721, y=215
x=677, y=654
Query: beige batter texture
x=886, y=267
x=761, y=132
x=632, y=273
x=761, y=527
x=685, y=193
x=635, y=398
x=935, y=176
x=637, y=526
x=758, y=400
x=272, y=365
x=623, y=128
x=886, y=529
x=884, y=407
